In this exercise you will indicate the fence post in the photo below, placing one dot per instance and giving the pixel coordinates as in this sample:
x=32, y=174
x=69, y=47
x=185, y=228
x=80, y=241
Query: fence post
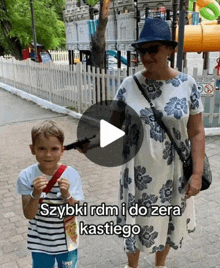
x=94, y=84
x=79, y=85
x=195, y=72
x=2, y=59
x=13, y=67
x=103, y=85
x=29, y=74
x=51, y=83
x=1, y=63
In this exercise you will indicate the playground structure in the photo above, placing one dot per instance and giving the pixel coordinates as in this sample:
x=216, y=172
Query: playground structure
x=123, y=26
x=202, y=38
x=208, y=9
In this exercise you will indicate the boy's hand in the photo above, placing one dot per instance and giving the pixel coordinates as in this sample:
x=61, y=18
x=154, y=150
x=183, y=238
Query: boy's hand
x=39, y=184
x=64, y=187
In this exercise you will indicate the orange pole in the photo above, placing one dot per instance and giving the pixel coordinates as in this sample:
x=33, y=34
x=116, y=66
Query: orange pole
x=201, y=38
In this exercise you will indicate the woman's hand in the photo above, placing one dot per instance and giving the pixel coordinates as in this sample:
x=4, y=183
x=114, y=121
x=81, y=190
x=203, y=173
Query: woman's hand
x=194, y=185
x=84, y=149
x=94, y=143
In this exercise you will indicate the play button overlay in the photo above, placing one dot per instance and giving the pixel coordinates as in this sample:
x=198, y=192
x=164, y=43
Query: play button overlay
x=118, y=130
x=109, y=133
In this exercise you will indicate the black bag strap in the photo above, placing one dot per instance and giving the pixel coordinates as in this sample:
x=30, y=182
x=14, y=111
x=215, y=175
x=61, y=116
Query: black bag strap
x=158, y=119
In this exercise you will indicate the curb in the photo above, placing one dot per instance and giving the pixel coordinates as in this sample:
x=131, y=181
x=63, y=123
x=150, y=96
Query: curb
x=59, y=109
x=41, y=102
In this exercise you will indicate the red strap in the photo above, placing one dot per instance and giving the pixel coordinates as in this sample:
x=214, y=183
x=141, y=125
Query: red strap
x=54, y=179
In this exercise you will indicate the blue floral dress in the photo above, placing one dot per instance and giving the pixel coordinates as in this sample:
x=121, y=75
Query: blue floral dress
x=154, y=177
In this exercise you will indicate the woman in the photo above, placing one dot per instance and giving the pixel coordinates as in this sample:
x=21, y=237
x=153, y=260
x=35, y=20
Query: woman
x=155, y=175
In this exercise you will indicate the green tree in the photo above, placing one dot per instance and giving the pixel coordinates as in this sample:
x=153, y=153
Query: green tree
x=98, y=39
x=7, y=44
x=16, y=27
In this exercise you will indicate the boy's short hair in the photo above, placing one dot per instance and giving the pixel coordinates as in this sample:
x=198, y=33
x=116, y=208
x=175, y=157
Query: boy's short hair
x=47, y=128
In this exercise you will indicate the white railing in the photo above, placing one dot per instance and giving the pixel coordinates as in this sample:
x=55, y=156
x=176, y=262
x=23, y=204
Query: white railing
x=79, y=88
x=60, y=56
x=61, y=84
x=7, y=57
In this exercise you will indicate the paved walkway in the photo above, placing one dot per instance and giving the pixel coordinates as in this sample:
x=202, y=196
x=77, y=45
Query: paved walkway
x=17, y=116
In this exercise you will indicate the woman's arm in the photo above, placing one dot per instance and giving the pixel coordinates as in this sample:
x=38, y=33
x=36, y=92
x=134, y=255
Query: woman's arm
x=196, y=134
x=116, y=119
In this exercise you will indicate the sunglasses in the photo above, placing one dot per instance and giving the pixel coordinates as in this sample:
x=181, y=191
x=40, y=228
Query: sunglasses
x=150, y=50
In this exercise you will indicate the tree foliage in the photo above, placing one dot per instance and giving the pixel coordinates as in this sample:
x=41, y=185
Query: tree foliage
x=91, y=3
x=16, y=23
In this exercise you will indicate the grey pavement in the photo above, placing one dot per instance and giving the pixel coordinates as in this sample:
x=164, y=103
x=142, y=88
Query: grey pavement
x=200, y=250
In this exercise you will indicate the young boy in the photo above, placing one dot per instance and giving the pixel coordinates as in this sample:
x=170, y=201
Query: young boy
x=47, y=238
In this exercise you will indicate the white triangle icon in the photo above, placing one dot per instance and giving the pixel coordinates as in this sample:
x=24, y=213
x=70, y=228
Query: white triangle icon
x=109, y=133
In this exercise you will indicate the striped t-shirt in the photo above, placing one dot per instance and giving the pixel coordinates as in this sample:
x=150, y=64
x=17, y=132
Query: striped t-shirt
x=46, y=233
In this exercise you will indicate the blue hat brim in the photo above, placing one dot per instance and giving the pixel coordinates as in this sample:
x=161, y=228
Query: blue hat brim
x=151, y=39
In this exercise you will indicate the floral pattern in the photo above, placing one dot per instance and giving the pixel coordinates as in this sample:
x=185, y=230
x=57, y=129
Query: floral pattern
x=181, y=242
x=130, y=245
x=176, y=133
x=166, y=191
x=153, y=88
x=148, y=116
x=126, y=179
x=183, y=205
x=194, y=97
x=177, y=107
x=121, y=98
x=171, y=244
x=182, y=183
x=154, y=176
x=177, y=80
x=121, y=191
x=120, y=220
x=156, y=132
x=148, y=201
x=127, y=121
x=156, y=249
x=183, y=77
x=133, y=135
x=121, y=93
x=168, y=152
x=141, y=180
x=131, y=200
x=185, y=148
x=171, y=228
x=147, y=236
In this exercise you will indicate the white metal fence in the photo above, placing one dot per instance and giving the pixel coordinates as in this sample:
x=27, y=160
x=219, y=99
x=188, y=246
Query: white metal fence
x=61, y=84
x=62, y=56
x=58, y=56
x=79, y=88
